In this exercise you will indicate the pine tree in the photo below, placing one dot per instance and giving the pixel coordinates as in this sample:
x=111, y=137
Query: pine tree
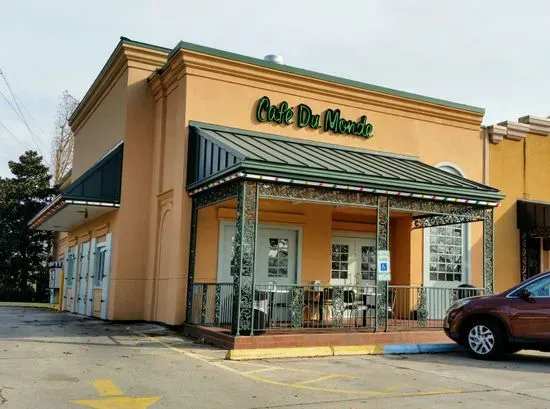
x=23, y=252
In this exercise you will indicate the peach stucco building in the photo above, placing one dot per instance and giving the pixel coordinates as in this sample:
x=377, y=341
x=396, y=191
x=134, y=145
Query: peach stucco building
x=210, y=188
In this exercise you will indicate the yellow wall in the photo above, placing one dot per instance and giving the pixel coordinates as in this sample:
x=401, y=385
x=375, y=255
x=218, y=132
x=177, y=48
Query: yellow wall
x=97, y=229
x=226, y=93
x=102, y=129
x=212, y=99
x=125, y=113
x=128, y=283
x=521, y=170
x=318, y=223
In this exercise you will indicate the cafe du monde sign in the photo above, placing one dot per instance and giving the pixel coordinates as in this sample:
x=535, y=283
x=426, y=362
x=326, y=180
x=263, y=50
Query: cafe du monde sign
x=304, y=117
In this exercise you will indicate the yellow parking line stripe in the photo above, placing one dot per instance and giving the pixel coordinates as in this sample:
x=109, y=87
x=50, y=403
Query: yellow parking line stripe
x=322, y=378
x=390, y=392
x=260, y=370
x=106, y=388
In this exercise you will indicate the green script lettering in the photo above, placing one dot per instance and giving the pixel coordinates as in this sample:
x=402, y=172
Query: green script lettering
x=304, y=115
x=333, y=121
x=263, y=105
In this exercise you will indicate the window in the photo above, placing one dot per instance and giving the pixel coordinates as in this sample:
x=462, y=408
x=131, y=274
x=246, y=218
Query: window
x=70, y=269
x=446, y=251
x=446, y=248
x=340, y=259
x=99, y=266
x=278, y=258
x=368, y=263
x=540, y=288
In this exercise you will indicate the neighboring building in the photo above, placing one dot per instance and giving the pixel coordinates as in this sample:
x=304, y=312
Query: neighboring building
x=195, y=166
x=520, y=167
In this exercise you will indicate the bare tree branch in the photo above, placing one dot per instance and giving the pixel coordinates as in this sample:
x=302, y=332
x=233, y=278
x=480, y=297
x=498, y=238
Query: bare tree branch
x=63, y=140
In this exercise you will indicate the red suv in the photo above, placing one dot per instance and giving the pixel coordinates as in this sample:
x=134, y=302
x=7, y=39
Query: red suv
x=491, y=325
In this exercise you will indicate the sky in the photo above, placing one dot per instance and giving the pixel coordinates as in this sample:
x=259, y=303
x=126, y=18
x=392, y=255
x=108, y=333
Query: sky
x=493, y=54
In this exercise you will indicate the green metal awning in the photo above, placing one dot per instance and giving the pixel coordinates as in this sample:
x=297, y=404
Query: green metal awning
x=218, y=154
x=93, y=194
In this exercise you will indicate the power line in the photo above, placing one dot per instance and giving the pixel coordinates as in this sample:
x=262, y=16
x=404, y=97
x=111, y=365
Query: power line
x=30, y=116
x=19, y=112
x=12, y=134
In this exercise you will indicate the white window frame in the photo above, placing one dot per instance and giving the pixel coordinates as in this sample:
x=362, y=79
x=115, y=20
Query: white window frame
x=98, y=248
x=353, y=235
x=466, y=263
x=273, y=226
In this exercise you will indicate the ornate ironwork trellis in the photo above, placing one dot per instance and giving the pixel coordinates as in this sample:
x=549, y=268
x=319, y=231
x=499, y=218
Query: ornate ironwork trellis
x=523, y=255
x=316, y=195
x=245, y=254
x=429, y=213
x=207, y=198
x=382, y=243
x=488, y=251
x=443, y=213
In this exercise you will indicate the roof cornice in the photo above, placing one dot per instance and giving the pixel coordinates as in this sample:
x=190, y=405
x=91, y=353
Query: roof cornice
x=190, y=62
x=126, y=54
x=517, y=131
x=319, y=76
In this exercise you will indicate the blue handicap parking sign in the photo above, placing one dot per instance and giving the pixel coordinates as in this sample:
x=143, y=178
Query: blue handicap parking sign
x=383, y=266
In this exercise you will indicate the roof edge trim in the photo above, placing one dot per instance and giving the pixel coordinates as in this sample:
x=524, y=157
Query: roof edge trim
x=182, y=45
x=107, y=65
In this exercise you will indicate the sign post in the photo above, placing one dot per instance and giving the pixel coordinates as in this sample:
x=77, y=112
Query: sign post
x=383, y=274
x=383, y=268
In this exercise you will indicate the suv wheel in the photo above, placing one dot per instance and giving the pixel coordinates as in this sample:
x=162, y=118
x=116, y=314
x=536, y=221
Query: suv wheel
x=484, y=339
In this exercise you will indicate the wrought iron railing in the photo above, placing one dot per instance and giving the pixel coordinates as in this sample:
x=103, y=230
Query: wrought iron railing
x=311, y=307
x=212, y=305
x=423, y=307
x=288, y=307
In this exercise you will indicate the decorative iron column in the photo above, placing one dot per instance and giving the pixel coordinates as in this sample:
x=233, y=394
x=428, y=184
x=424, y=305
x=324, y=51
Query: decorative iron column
x=192, y=252
x=245, y=254
x=382, y=243
x=488, y=252
x=523, y=254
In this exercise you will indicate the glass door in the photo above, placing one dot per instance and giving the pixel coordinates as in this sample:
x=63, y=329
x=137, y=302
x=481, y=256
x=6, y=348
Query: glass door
x=353, y=261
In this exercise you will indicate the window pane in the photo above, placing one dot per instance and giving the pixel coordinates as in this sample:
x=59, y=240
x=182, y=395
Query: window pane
x=272, y=272
x=540, y=288
x=446, y=257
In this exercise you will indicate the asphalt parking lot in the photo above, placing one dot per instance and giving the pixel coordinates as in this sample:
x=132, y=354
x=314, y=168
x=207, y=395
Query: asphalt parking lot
x=53, y=360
